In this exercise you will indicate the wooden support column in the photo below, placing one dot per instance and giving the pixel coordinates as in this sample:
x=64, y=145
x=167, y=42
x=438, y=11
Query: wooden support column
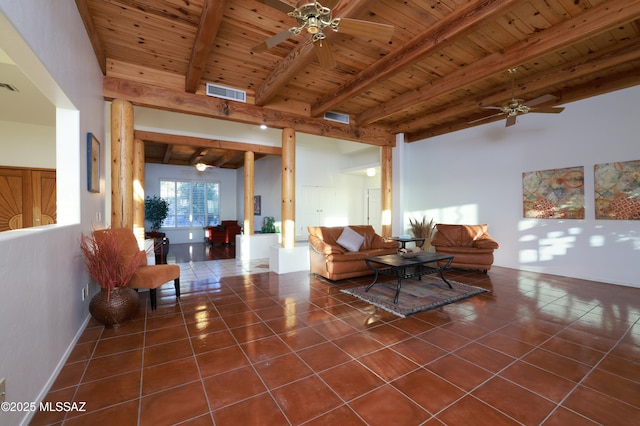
x=288, y=188
x=249, y=190
x=387, y=190
x=138, y=189
x=121, y=164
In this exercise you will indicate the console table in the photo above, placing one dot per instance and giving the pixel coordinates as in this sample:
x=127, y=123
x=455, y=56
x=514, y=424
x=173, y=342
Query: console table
x=403, y=241
x=402, y=268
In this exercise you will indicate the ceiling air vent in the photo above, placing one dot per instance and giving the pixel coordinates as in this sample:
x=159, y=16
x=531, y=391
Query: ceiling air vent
x=226, y=93
x=336, y=116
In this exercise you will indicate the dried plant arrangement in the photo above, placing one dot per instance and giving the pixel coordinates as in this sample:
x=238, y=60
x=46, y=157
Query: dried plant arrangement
x=422, y=229
x=103, y=261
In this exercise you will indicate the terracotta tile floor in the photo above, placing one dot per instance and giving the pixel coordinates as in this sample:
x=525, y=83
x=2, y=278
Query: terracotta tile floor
x=244, y=346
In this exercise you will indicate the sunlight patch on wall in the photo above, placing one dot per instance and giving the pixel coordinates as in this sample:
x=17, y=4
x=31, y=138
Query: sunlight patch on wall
x=466, y=214
x=545, y=248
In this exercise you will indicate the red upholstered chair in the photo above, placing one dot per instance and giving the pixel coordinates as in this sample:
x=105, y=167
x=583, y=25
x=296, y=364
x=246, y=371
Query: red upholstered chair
x=224, y=233
x=146, y=276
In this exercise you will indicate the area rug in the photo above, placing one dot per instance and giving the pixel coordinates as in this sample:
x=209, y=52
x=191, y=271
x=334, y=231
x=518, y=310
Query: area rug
x=415, y=296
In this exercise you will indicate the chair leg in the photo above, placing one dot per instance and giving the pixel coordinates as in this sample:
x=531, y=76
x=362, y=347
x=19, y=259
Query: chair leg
x=152, y=297
x=176, y=284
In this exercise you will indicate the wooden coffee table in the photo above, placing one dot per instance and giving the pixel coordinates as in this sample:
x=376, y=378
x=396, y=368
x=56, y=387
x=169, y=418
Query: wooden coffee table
x=402, y=268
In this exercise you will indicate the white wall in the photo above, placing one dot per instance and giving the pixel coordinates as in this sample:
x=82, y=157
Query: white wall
x=41, y=311
x=226, y=177
x=475, y=176
x=318, y=164
x=27, y=145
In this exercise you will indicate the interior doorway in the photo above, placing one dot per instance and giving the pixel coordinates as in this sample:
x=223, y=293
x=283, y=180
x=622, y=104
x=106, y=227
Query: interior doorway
x=374, y=209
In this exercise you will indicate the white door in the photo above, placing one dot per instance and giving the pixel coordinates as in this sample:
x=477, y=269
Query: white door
x=374, y=209
x=316, y=206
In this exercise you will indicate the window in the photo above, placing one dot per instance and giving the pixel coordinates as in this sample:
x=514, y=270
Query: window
x=191, y=203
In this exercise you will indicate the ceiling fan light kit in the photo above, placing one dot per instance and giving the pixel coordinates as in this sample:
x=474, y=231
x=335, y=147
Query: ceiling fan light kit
x=313, y=17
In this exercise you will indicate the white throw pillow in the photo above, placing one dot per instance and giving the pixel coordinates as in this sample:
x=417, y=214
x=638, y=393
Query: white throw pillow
x=350, y=239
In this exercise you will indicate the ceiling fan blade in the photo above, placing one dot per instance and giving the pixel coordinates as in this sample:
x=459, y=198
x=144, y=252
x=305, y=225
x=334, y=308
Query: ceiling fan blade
x=486, y=117
x=358, y=28
x=548, y=110
x=325, y=57
x=277, y=4
x=272, y=41
x=329, y=3
x=511, y=120
x=540, y=100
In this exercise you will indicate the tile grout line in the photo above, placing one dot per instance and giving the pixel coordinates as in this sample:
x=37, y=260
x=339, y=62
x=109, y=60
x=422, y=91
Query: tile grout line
x=593, y=368
x=144, y=346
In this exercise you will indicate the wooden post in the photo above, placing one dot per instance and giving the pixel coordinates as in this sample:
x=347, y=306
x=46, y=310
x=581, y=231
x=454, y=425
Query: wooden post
x=249, y=189
x=121, y=164
x=288, y=188
x=138, y=189
x=387, y=190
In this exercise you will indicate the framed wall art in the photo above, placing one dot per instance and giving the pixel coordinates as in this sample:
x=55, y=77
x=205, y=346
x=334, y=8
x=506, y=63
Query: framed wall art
x=554, y=193
x=93, y=163
x=257, y=205
x=617, y=190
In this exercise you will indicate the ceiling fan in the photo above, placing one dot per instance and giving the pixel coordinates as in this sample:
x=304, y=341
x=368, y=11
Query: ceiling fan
x=201, y=167
x=315, y=18
x=517, y=107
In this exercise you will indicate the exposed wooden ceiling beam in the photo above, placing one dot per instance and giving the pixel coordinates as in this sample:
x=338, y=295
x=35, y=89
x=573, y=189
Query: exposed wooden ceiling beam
x=453, y=27
x=205, y=143
x=228, y=157
x=594, y=21
x=617, y=55
x=83, y=8
x=197, y=156
x=304, y=53
x=167, y=154
x=614, y=82
x=173, y=100
x=212, y=12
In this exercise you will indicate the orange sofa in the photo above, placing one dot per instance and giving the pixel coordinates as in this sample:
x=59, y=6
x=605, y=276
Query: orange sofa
x=335, y=262
x=471, y=245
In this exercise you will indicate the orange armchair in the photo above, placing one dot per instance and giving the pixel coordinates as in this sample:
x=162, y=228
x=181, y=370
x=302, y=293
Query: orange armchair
x=471, y=245
x=146, y=276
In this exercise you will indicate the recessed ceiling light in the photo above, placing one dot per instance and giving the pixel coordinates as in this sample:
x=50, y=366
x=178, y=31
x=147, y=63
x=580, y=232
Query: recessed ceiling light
x=263, y=126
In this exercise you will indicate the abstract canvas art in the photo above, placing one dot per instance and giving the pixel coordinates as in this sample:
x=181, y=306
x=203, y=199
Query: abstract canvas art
x=617, y=190
x=554, y=194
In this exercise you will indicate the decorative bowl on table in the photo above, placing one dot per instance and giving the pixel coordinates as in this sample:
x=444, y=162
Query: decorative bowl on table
x=409, y=252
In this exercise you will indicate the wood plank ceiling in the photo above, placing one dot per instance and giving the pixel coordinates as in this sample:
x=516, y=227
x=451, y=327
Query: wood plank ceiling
x=446, y=62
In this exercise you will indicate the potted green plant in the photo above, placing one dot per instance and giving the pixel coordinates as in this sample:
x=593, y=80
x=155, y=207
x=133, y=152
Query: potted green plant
x=269, y=226
x=156, y=210
x=115, y=303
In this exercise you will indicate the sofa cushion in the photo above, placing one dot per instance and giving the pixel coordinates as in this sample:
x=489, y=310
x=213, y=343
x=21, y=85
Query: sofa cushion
x=458, y=235
x=350, y=239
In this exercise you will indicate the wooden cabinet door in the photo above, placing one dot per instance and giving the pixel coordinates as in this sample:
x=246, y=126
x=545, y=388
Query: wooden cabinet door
x=11, y=204
x=27, y=198
x=44, y=197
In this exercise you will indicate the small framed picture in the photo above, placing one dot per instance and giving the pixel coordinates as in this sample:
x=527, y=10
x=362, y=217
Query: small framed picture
x=257, y=205
x=93, y=163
